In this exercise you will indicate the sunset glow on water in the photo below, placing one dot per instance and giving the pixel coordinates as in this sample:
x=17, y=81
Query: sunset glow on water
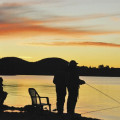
x=89, y=99
x=87, y=31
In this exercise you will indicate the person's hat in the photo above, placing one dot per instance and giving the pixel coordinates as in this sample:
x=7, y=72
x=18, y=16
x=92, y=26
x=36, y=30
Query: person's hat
x=73, y=62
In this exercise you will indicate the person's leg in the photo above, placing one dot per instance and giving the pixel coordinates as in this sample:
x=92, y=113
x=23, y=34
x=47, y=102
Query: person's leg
x=3, y=97
x=72, y=100
x=61, y=92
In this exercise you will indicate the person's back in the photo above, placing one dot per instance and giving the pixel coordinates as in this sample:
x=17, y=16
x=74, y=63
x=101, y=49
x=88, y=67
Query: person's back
x=73, y=77
x=60, y=78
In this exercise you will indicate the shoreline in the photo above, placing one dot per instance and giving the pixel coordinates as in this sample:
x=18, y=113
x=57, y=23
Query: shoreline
x=44, y=115
x=31, y=113
x=53, y=75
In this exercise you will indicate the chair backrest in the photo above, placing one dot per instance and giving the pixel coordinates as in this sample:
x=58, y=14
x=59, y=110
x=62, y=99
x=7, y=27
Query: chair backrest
x=34, y=96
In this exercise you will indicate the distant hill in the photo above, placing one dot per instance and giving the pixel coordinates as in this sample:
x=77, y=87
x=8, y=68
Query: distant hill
x=48, y=66
x=17, y=66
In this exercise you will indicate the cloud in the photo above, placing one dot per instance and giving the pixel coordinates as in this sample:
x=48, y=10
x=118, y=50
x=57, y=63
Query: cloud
x=29, y=28
x=12, y=9
x=5, y=6
x=81, y=18
x=13, y=22
x=12, y=12
x=25, y=26
x=100, y=44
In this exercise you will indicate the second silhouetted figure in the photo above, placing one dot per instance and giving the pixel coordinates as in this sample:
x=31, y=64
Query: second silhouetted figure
x=73, y=83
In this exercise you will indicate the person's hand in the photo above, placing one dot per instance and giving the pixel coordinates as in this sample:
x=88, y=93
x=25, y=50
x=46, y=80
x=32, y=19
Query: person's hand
x=81, y=82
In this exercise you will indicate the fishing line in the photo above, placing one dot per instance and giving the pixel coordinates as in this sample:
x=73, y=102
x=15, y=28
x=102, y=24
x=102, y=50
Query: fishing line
x=106, y=96
x=101, y=110
x=103, y=93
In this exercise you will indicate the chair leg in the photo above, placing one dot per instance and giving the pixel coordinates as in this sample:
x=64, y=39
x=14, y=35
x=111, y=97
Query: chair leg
x=41, y=107
x=50, y=108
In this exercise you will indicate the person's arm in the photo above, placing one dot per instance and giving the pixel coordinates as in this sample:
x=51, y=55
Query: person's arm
x=81, y=82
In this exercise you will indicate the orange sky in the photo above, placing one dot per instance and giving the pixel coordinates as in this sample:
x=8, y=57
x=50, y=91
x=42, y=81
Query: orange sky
x=86, y=31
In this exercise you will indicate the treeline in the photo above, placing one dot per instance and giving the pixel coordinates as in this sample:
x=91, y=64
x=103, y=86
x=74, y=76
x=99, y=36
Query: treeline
x=100, y=71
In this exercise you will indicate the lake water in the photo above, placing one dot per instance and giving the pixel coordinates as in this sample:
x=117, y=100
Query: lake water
x=89, y=98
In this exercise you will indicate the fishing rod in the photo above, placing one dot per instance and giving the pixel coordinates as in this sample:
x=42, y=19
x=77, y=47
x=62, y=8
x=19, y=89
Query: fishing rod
x=103, y=93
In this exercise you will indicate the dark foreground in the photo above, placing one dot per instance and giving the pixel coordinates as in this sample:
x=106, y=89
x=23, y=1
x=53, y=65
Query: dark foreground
x=34, y=113
x=45, y=115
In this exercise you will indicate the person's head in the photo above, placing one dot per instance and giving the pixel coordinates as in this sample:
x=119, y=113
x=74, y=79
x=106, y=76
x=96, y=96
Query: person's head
x=72, y=64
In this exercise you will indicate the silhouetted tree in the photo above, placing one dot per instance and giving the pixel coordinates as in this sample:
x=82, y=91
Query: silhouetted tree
x=100, y=66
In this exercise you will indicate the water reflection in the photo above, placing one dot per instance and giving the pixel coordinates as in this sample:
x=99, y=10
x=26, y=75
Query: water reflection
x=89, y=99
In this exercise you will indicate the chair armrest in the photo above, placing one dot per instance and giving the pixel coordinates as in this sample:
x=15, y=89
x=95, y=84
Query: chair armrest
x=46, y=99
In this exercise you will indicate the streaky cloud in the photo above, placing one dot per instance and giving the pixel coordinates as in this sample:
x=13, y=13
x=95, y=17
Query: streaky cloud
x=36, y=27
x=81, y=18
x=5, y=6
x=100, y=44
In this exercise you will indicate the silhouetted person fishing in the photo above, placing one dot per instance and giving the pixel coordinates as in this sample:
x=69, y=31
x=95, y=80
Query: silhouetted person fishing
x=73, y=83
x=69, y=79
x=3, y=94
